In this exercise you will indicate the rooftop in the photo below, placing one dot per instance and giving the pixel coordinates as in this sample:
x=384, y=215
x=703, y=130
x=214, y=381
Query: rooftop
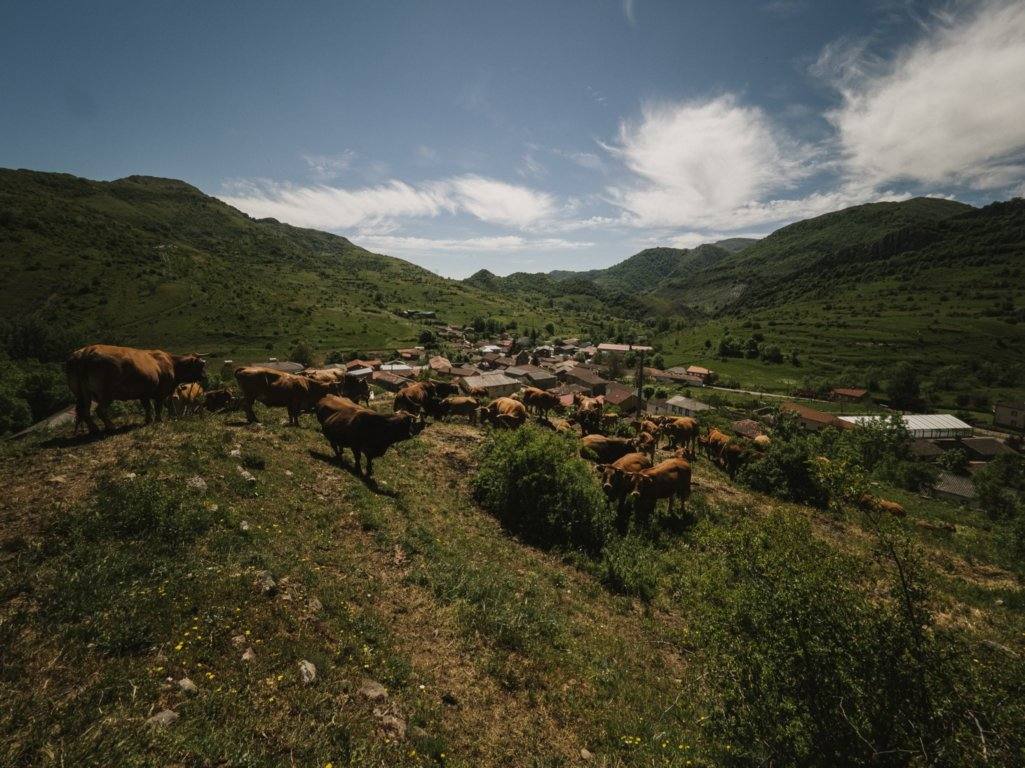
x=955, y=485
x=623, y=348
x=921, y=422
x=689, y=403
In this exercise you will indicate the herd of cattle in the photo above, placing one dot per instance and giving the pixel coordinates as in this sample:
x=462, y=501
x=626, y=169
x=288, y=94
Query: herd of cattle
x=104, y=374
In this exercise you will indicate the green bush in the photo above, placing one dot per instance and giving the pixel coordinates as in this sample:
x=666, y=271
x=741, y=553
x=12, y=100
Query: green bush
x=787, y=469
x=804, y=669
x=534, y=481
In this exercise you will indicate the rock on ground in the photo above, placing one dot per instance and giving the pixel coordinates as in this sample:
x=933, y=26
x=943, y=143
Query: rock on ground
x=371, y=690
x=307, y=671
x=163, y=718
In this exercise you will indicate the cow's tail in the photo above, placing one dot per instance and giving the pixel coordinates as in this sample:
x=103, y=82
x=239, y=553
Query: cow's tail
x=79, y=386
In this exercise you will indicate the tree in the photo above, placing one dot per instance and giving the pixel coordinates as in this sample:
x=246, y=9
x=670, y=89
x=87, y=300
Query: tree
x=426, y=337
x=302, y=353
x=550, y=329
x=772, y=354
x=903, y=387
x=1000, y=486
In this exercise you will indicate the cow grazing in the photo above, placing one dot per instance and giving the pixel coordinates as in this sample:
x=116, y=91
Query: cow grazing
x=682, y=432
x=669, y=479
x=617, y=478
x=220, y=400
x=503, y=412
x=871, y=503
x=605, y=450
x=346, y=424
x=106, y=373
x=647, y=425
x=714, y=441
x=440, y=389
x=733, y=454
x=539, y=401
x=186, y=399
x=457, y=405
x=280, y=390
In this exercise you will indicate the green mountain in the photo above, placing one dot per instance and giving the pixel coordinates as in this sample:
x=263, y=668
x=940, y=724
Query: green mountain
x=152, y=261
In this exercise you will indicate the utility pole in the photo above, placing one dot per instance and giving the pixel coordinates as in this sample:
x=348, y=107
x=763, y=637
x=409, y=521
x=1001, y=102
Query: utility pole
x=640, y=382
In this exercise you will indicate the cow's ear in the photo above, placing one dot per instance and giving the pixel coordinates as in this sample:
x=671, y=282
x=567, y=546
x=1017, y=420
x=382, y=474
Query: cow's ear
x=600, y=467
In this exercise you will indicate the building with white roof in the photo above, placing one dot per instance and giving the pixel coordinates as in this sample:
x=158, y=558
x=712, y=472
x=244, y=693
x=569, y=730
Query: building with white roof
x=923, y=426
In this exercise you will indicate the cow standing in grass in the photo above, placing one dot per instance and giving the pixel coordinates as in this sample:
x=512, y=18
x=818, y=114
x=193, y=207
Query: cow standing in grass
x=617, y=480
x=105, y=373
x=669, y=479
x=346, y=424
x=282, y=390
x=539, y=401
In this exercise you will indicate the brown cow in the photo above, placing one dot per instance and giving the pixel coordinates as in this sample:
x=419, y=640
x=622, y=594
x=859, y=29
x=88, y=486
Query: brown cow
x=539, y=401
x=357, y=390
x=588, y=414
x=874, y=504
x=185, y=399
x=440, y=389
x=647, y=425
x=682, y=433
x=605, y=450
x=504, y=412
x=277, y=389
x=714, y=441
x=617, y=478
x=346, y=424
x=220, y=400
x=646, y=443
x=414, y=398
x=731, y=457
x=456, y=405
x=107, y=373
x=669, y=479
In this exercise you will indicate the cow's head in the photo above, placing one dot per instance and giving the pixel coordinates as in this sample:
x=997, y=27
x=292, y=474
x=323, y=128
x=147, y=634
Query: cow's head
x=189, y=368
x=642, y=484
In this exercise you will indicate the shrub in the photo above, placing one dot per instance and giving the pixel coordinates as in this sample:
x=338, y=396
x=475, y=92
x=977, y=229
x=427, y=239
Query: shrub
x=1001, y=486
x=534, y=481
x=786, y=469
x=628, y=568
x=803, y=668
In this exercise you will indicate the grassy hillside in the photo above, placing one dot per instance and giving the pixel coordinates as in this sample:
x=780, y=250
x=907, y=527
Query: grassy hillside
x=152, y=261
x=166, y=552
x=930, y=282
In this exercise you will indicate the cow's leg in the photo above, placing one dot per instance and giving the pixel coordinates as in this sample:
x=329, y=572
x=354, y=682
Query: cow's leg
x=370, y=466
x=147, y=409
x=102, y=411
x=356, y=458
x=83, y=408
x=247, y=406
x=158, y=407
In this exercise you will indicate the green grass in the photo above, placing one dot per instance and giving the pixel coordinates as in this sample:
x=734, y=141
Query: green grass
x=113, y=583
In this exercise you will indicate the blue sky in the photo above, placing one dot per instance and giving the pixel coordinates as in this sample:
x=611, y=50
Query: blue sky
x=525, y=135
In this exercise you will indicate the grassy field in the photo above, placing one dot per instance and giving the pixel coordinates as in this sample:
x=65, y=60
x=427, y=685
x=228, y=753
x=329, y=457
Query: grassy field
x=122, y=573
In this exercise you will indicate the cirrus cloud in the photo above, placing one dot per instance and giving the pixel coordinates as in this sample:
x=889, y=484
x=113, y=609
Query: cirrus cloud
x=334, y=208
x=947, y=110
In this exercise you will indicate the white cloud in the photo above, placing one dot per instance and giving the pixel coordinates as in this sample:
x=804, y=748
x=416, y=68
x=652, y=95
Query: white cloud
x=326, y=207
x=587, y=160
x=630, y=11
x=326, y=167
x=697, y=163
x=497, y=244
x=497, y=202
x=949, y=109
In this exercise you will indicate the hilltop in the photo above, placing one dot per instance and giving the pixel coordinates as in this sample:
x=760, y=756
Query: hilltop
x=155, y=262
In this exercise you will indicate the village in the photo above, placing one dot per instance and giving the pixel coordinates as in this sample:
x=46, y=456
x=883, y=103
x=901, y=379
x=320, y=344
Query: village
x=622, y=379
